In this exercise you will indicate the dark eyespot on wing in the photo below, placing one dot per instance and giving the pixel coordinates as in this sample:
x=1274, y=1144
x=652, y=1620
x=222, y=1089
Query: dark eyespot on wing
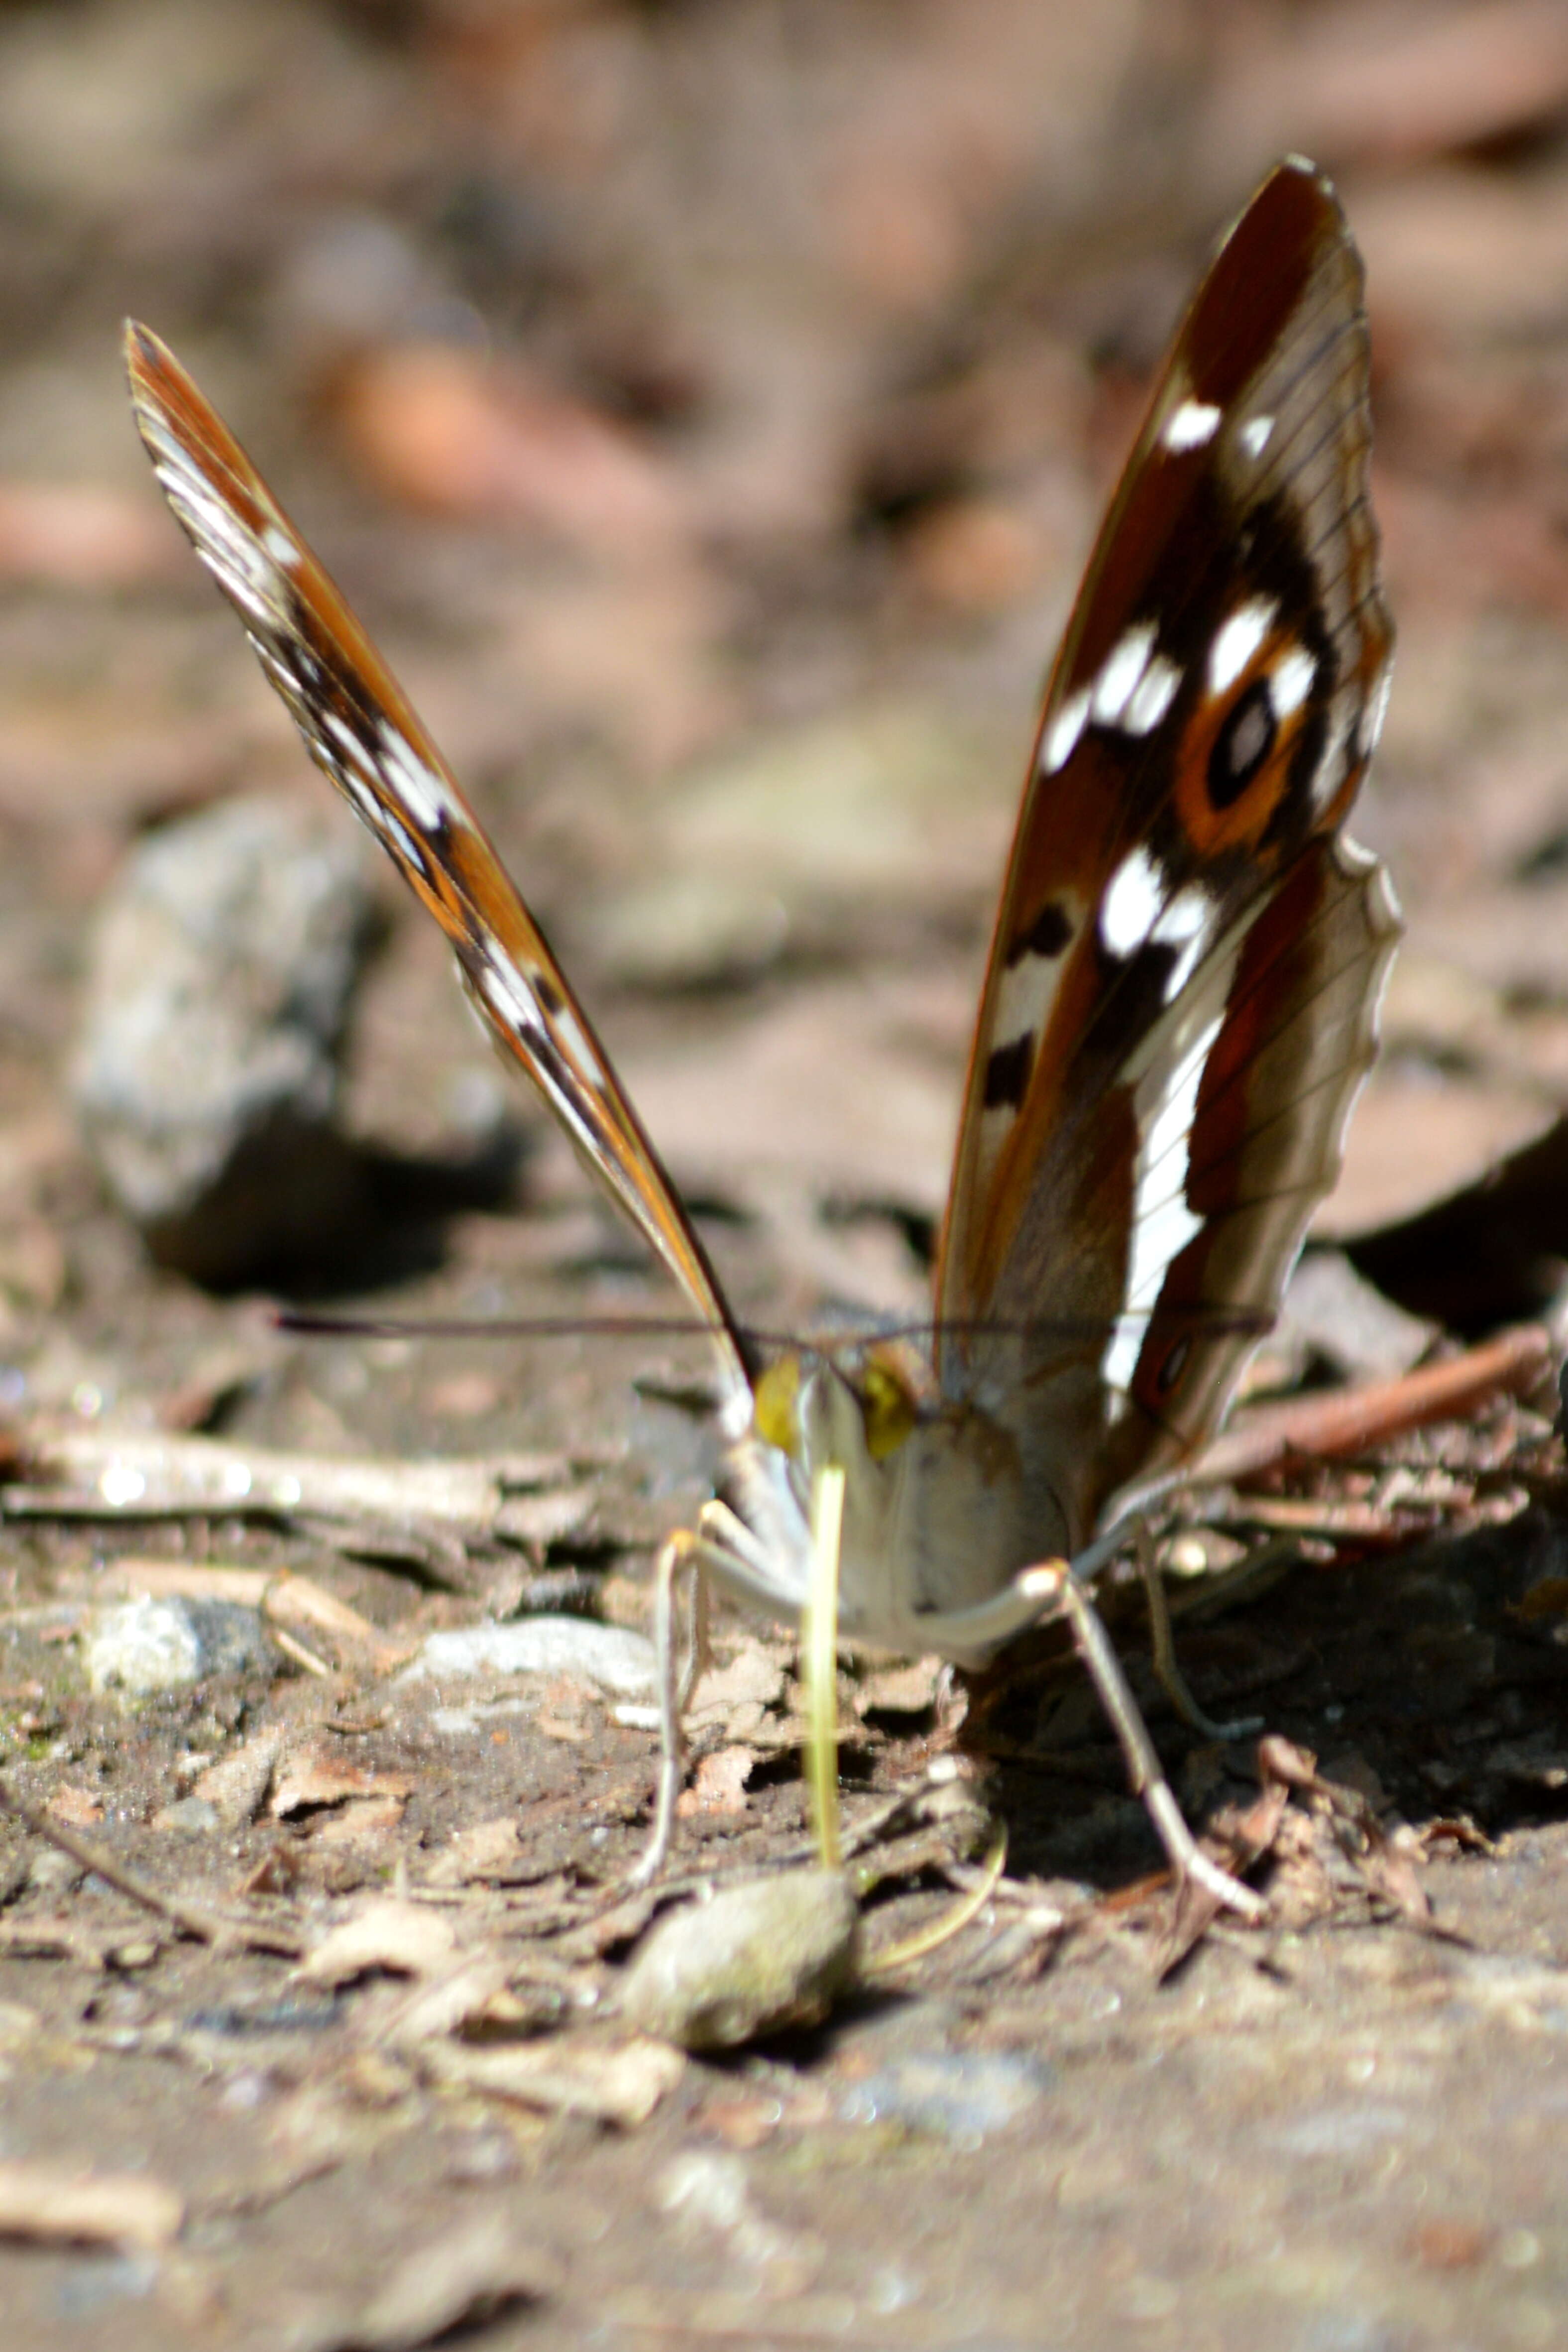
x=1007, y=1072
x=1242, y=745
x=1050, y=932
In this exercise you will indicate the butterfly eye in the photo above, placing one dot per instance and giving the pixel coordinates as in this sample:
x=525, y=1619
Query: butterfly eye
x=776, y=1402
x=887, y=1410
x=1242, y=744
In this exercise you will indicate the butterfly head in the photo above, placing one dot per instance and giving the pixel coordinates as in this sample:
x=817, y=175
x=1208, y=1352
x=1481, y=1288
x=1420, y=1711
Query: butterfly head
x=816, y=1407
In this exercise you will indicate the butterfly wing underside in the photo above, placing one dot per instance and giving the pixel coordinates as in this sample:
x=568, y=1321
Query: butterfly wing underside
x=361, y=731
x=1182, y=995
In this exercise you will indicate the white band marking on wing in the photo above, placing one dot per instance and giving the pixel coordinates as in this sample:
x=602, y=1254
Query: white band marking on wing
x=1162, y=1224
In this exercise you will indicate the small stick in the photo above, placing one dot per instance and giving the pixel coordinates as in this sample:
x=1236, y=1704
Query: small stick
x=192, y=1919
x=1347, y=1421
x=301, y=1657
x=136, y=1474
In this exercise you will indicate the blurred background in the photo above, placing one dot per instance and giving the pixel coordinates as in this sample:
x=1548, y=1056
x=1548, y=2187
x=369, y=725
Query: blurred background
x=708, y=405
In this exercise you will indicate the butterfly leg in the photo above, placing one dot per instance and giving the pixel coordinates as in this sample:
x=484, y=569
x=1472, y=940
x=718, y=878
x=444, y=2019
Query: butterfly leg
x=680, y=1556
x=688, y=1552
x=1168, y=1667
x=1056, y=1588
x=1094, y=1646
x=699, y=1647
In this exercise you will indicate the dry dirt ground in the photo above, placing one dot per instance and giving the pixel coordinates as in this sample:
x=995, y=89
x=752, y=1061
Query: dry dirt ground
x=709, y=406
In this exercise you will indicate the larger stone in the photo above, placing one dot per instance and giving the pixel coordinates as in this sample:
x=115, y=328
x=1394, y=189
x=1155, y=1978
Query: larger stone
x=754, y=1961
x=220, y=975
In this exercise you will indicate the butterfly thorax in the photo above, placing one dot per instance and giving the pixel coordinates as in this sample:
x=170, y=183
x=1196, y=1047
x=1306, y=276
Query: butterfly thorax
x=942, y=1505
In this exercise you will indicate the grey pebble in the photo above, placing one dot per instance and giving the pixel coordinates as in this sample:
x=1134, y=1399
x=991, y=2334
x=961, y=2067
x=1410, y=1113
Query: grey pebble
x=51, y=1871
x=752, y=1960
x=205, y=1077
x=610, y=1656
x=962, y=2096
x=140, y=1647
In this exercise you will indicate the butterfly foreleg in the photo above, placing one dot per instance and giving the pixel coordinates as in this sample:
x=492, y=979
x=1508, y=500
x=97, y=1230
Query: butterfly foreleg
x=1162, y=1643
x=691, y=1552
x=679, y=1556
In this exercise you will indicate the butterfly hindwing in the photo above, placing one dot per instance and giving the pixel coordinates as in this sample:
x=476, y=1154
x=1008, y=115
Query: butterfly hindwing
x=1181, y=997
x=360, y=730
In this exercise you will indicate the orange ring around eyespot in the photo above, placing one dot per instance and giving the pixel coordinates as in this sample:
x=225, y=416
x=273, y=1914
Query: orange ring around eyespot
x=1244, y=822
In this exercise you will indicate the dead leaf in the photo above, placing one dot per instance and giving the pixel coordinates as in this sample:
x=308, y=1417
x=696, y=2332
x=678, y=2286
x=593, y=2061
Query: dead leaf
x=75, y=1807
x=472, y=1993
x=539, y=1520
x=236, y=1785
x=318, y=1778
x=53, y=2204
x=407, y=1939
x=614, y=2082
x=489, y=1850
x=361, y=1817
x=468, y=2276
x=900, y=1690
x=754, y=1675
x=718, y=1784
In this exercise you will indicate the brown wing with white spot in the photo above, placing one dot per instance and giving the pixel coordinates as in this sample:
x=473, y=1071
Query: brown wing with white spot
x=1210, y=719
x=361, y=731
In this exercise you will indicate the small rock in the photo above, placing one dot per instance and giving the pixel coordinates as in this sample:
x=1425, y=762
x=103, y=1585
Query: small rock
x=51, y=1871
x=143, y=1646
x=950, y=2095
x=136, y=1952
x=189, y=1817
x=205, y=1078
x=609, y=1656
x=752, y=1960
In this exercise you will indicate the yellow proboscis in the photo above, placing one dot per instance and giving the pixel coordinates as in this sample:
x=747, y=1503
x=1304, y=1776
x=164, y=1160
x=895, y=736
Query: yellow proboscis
x=819, y=1661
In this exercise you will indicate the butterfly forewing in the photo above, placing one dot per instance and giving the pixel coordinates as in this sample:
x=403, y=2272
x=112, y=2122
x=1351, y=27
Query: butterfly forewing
x=360, y=730
x=1180, y=1003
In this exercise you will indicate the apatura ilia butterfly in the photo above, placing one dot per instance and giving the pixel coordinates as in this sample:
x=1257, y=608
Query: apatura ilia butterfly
x=1179, y=1008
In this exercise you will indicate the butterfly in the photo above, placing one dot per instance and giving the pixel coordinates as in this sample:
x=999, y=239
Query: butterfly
x=1179, y=1008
